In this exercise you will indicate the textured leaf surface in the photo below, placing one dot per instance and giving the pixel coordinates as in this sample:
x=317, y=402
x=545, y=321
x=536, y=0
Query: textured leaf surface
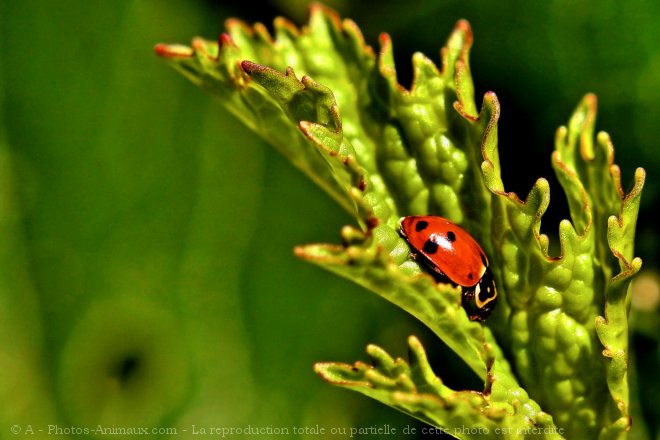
x=556, y=302
x=415, y=389
x=384, y=151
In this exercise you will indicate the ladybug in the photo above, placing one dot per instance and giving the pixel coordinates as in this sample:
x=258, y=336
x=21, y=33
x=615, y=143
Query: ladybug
x=453, y=255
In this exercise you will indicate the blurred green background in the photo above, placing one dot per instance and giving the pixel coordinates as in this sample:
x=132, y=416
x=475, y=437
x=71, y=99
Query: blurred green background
x=146, y=272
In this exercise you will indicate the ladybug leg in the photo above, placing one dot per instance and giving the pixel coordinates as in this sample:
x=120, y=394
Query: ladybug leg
x=468, y=303
x=440, y=277
x=438, y=274
x=432, y=269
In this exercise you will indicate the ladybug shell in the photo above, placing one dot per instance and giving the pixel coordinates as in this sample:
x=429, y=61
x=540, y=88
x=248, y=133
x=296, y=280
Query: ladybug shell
x=447, y=247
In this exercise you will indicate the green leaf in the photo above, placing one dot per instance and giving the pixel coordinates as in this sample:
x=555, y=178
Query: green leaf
x=414, y=388
x=383, y=151
x=556, y=302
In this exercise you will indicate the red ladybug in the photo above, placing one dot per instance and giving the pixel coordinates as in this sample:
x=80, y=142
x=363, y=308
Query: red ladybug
x=451, y=253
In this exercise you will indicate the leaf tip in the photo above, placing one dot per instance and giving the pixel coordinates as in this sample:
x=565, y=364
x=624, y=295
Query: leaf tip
x=320, y=8
x=320, y=367
x=640, y=177
x=300, y=252
x=281, y=23
x=249, y=67
x=235, y=25
x=384, y=39
x=591, y=100
x=226, y=40
x=173, y=50
x=462, y=36
x=323, y=370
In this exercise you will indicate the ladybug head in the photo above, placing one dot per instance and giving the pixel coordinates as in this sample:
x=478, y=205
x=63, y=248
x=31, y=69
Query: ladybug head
x=479, y=300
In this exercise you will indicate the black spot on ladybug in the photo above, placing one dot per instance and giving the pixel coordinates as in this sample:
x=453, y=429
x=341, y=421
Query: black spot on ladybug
x=470, y=276
x=430, y=247
x=451, y=236
x=421, y=225
x=484, y=261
